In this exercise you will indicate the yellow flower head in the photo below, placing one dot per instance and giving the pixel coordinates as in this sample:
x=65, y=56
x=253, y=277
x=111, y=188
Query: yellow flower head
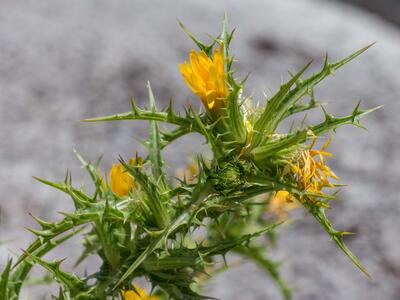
x=121, y=181
x=311, y=171
x=206, y=77
x=140, y=294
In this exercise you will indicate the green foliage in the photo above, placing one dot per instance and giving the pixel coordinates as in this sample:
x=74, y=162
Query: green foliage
x=153, y=231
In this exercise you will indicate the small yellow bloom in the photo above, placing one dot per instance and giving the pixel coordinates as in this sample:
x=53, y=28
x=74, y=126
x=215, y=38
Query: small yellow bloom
x=206, y=77
x=121, y=181
x=281, y=203
x=140, y=294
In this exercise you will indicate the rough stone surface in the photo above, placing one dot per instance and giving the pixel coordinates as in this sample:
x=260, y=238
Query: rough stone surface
x=63, y=61
x=388, y=9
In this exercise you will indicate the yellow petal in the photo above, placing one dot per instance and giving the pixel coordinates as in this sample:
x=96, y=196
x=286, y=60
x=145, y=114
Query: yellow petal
x=120, y=180
x=206, y=78
x=218, y=60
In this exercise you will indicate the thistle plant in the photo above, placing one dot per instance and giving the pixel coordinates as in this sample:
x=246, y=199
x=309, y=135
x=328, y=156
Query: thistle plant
x=145, y=225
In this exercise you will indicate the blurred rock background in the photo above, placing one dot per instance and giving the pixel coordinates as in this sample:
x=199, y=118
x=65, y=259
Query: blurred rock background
x=62, y=61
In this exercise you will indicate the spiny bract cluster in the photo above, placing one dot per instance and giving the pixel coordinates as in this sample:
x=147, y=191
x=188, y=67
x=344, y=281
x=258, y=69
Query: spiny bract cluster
x=143, y=224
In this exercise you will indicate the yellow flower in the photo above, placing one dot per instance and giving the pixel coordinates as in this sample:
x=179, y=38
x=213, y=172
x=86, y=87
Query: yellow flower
x=311, y=171
x=140, y=294
x=121, y=181
x=281, y=203
x=206, y=77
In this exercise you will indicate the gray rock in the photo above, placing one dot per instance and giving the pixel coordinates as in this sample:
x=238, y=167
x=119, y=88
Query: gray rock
x=61, y=62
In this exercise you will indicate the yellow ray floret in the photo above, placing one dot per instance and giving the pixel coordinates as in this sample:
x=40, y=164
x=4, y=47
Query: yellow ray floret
x=140, y=294
x=311, y=171
x=206, y=77
x=121, y=181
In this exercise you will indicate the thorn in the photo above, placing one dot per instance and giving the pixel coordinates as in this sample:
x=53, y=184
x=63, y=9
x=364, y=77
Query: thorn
x=356, y=111
x=358, y=124
x=326, y=62
x=39, y=233
x=44, y=224
x=245, y=79
x=372, y=109
x=170, y=109
x=205, y=48
x=152, y=101
x=66, y=179
x=328, y=116
x=230, y=36
x=349, y=58
x=229, y=65
x=345, y=233
x=134, y=106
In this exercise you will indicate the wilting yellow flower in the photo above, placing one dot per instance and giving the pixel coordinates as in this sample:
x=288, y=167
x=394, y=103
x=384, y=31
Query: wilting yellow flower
x=121, y=181
x=206, y=77
x=140, y=294
x=281, y=203
x=310, y=170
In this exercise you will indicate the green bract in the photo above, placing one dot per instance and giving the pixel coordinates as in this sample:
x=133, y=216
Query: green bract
x=153, y=231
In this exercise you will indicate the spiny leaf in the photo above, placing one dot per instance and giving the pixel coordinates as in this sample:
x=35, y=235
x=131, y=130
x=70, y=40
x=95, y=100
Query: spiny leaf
x=46, y=235
x=201, y=194
x=319, y=214
x=93, y=172
x=5, y=276
x=235, y=117
x=168, y=137
x=149, y=249
x=306, y=86
x=270, y=149
x=298, y=108
x=206, y=48
x=349, y=58
x=80, y=199
x=155, y=200
x=155, y=145
x=226, y=38
x=211, y=139
x=69, y=280
x=186, y=122
x=272, y=114
x=334, y=122
x=42, y=223
x=261, y=153
x=39, y=249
